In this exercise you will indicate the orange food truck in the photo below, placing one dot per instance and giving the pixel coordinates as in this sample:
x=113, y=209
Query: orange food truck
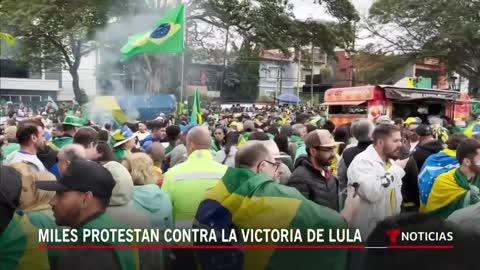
x=370, y=101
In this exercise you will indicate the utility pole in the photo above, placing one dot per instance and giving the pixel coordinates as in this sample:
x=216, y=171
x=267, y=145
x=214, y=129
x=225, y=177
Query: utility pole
x=185, y=42
x=281, y=79
x=352, y=57
x=311, y=77
x=299, y=68
x=276, y=86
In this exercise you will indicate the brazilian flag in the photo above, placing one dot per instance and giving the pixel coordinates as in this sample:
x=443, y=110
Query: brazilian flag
x=165, y=37
x=196, y=116
x=452, y=191
x=19, y=246
x=245, y=200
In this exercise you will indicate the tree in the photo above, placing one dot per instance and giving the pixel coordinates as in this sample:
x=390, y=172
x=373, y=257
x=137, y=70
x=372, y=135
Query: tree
x=268, y=24
x=57, y=33
x=380, y=68
x=211, y=26
x=241, y=82
x=447, y=30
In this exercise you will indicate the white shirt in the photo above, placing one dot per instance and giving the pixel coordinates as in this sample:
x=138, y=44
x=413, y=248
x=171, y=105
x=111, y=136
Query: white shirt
x=21, y=156
x=141, y=135
x=230, y=161
x=380, y=189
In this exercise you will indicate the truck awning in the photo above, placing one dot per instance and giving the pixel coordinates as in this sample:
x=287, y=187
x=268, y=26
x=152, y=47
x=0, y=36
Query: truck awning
x=351, y=102
x=405, y=94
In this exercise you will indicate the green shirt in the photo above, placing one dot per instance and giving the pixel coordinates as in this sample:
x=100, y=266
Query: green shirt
x=10, y=148
x=61, y=142
x=119, y=153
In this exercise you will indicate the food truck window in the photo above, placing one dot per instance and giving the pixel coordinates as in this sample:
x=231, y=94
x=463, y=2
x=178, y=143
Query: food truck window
x=407, y=109
x=348, y=109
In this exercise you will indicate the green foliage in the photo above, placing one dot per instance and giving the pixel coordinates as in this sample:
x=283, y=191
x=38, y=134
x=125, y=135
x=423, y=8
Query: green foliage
x=380, y=68
x=449, y=30
x=55, y=32
x=241, y=80
x=270, y=24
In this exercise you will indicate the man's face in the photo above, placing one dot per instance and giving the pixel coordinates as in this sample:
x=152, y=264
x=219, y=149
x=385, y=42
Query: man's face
x=27, y=197
x=268, y=166
x=142, y=127
x=57, y=133
x=163, y=133
x=66, y=207
x=38, y=139
x=157, y=133
x=474, y=163
x=392, y=145
x=323, y=155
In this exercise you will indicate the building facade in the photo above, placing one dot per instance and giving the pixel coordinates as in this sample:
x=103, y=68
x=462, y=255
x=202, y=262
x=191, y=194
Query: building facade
x=280, y=73
x=19, y=85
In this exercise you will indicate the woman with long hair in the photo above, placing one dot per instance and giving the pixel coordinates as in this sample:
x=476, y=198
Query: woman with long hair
x=227, y=154
x=218, y=138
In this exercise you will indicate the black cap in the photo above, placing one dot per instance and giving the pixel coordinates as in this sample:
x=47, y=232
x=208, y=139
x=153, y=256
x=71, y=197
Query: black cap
x=424, y=130
x=83, y=176
x=10, y=186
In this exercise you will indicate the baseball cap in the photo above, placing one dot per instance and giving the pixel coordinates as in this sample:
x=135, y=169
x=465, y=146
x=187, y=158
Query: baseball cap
x=424, y=130
x=320, y=137
x=83, y=176
x=384, y=120
x=412, y=120
x=44, y=113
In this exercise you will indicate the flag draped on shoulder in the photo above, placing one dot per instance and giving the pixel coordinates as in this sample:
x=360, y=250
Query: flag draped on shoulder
x=435, y=165
x=165, y=37
x=452, y=191
x=244, y=200
x=196, y=116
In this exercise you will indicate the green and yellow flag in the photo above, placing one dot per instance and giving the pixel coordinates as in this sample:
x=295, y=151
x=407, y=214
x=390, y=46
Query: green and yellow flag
x=196, y=116
x=244, y=200
x=452, y=191
x=165, y=37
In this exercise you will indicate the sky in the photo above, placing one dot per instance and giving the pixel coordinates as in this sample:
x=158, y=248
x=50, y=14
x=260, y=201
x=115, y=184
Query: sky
x=304, y=9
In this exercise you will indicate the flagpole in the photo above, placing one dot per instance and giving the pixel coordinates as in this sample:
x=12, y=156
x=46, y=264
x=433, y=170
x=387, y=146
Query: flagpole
x=183, y=75
x=182, y=85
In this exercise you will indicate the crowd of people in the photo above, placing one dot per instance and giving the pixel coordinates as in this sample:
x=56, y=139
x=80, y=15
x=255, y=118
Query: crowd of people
x=266, y=168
